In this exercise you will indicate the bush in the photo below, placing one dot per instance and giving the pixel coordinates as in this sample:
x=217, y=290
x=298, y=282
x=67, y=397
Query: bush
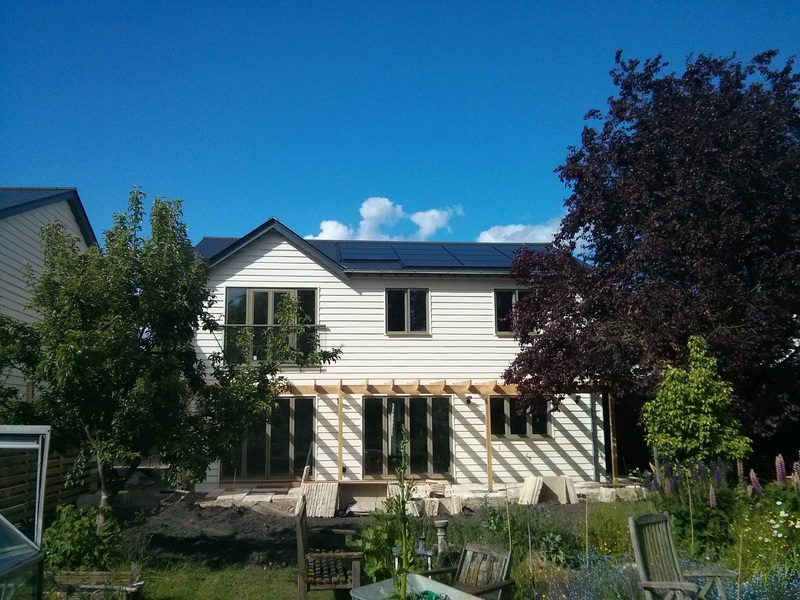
x=72, y=542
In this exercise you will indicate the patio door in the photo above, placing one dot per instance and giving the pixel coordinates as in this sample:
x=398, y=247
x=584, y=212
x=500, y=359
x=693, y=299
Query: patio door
x=427, y=421
x=277, y=450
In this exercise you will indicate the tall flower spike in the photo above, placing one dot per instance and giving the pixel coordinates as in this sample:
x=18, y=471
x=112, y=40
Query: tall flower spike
x=716, y=469
x=712, y=497
x=740, y=468
x=757, y=489
x=780, y=469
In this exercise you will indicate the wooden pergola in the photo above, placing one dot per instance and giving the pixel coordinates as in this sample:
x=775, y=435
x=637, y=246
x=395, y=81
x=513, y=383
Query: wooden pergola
x=341, y=388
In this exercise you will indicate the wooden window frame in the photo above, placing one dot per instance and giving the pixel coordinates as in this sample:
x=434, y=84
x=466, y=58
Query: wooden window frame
x=386, y=470
x=407, y=312
x=507, y=415
x=515, y=296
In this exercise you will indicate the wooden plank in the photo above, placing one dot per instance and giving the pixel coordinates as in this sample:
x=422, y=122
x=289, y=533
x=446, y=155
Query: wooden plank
x=322, y=498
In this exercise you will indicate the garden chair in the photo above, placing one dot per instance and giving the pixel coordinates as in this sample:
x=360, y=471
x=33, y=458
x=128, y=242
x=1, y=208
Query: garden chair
x=317, y=570
x=482, y=570
x=660, y=573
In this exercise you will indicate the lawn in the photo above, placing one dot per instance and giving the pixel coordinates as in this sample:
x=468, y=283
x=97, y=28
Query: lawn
x=203, y=583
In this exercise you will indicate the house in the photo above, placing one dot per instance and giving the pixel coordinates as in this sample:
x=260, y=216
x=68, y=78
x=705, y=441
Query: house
x=425, y=338
x=23, y=213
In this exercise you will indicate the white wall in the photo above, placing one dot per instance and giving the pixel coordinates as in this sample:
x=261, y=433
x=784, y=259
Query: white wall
x=462, y=345
x=20, y=244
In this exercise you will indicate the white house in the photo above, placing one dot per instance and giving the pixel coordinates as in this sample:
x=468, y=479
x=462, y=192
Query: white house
x=424, y=332
x=23, y=213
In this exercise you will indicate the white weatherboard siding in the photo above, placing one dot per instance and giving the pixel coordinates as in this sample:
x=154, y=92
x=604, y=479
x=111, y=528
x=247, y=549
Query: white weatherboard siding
x=461, y=345
x=21, y=245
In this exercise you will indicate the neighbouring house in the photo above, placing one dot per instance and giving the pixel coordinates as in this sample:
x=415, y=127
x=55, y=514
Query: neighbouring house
x=23, y=213
x=425, y=336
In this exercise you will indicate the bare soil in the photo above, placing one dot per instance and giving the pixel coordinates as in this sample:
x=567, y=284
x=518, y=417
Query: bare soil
x=175, y=528
x=172, y=527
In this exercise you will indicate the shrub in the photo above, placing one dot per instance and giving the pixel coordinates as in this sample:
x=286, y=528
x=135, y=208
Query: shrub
x=702, y=505
x=72, y=542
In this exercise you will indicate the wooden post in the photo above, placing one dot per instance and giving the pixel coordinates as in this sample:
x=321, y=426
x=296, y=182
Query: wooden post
x=612, y=431
x=488, y=411
x=341, y=427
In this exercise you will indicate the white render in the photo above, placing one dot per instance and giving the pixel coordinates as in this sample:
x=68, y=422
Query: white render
x=461, y=345
x=20, y=247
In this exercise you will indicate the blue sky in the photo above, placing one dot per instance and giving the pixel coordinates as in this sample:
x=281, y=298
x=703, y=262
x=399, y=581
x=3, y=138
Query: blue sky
x=412, y=120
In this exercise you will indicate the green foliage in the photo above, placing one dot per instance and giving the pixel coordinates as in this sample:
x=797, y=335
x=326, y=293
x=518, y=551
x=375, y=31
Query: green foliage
x=701, y=530
x=768, y=532
x=73, y=542
x=688, y=419
x=391, y=531
x=608, y=526
x=114, y=353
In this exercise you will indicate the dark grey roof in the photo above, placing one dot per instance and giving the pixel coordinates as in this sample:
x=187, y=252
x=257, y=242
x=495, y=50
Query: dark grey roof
x=17, y=200
x=351, y=256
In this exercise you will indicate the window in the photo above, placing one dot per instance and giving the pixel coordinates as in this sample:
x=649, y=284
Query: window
x=504, y=301
x=252, y=316
x=507, y=421
x=407, y=311
x=428, y=445
x=278, y=448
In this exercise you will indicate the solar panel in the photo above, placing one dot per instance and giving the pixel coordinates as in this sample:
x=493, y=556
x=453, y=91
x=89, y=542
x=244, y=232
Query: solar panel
x=427, y=255
x=366, y=251
x=480, y=255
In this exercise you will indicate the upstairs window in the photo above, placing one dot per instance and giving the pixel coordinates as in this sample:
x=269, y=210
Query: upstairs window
x=504, y=301
x=507, y=421
x=407, y=311
x=252, y=316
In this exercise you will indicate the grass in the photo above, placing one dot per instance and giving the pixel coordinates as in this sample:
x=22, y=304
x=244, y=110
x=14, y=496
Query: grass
x=203, y=583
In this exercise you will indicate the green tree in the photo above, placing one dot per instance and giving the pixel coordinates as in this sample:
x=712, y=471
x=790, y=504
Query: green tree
x=118, y=373
x=688, y=419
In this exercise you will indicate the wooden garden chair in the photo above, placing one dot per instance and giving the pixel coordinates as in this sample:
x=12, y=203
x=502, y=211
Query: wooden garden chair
x=660, y=573
x=482, y=570
x=317, y=570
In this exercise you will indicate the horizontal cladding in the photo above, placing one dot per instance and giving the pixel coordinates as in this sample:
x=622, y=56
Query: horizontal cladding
x=462, y=342
x=568, y=452
x=20, y=245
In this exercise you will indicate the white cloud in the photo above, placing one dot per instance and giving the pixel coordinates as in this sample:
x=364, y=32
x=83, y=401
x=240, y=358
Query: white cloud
x=333, y=230
x=542, y=233
x=431, y=221
x=380, y=214
x=375, y=213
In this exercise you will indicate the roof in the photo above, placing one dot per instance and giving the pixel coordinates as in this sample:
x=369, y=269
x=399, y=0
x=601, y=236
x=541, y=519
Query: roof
x=18, y=200
x=346, y=257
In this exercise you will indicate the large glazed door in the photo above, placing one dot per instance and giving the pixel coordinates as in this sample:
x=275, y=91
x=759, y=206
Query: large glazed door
x=277, y=450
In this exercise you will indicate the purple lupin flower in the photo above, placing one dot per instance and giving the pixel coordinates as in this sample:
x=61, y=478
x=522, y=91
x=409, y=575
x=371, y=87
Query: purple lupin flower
x=757, y=489
x=716, y=469
x=712, y=497
x=669, y=485
x=780, y=469
x=703, y=470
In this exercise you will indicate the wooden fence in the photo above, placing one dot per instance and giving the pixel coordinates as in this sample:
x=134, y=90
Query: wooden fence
x=18, y=484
